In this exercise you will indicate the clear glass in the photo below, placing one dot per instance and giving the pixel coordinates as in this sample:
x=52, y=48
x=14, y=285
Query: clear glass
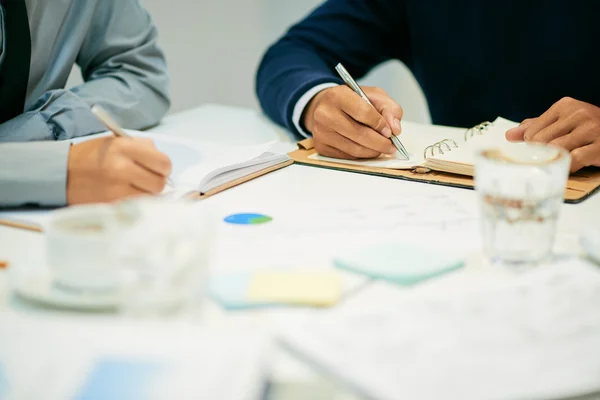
x=521, y=188
x=164, y=257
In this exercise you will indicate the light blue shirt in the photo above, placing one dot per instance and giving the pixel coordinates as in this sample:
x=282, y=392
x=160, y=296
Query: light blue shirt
x=114, y=43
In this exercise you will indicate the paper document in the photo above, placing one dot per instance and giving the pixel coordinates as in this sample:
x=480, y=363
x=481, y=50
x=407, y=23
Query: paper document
x=109, y=359
x=536, y=336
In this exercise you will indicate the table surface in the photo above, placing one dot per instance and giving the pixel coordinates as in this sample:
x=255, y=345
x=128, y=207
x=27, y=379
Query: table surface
x=292, y=188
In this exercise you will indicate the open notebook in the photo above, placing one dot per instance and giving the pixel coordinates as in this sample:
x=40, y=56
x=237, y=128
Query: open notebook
x=207, y=168
x=441, y=155
x=439, y=148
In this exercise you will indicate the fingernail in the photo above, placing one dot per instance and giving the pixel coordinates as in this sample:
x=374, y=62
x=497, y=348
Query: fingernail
x=397, y=126
x=387, y=132
x=392, y=150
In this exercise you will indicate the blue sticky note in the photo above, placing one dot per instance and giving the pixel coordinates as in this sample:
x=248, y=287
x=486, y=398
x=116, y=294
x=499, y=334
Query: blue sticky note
x=231, y=290
x=399, y=263
x=120, y=379
x=4, y=384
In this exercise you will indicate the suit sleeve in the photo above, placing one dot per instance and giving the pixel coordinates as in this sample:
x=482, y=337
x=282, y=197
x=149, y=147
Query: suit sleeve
x=124, y=72
x=358, y=33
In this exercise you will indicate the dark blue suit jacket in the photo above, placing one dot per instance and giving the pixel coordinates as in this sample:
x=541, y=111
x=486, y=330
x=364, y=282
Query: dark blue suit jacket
x=474, y=59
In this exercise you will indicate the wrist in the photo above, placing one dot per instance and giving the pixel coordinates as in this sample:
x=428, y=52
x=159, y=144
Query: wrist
x=307, y=119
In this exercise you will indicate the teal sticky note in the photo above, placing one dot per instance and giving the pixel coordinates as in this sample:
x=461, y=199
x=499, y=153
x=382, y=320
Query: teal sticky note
x=403, y=264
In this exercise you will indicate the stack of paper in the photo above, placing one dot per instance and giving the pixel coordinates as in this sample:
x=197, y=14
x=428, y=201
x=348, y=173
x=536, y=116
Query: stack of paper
x=537, y=337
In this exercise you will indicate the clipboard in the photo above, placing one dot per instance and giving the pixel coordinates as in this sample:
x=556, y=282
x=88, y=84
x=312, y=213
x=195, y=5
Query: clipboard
x=580, y=185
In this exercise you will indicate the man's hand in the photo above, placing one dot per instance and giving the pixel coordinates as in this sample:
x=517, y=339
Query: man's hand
x=569, y=123
x=343, y=125
x=109, y=169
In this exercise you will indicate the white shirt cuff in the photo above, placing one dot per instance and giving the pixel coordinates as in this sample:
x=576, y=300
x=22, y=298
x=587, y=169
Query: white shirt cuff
x=303, y=102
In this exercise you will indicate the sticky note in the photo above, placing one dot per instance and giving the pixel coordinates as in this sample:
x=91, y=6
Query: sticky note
x=120, y=379
x=296, y=287
x=230, y=291
x=404, y=264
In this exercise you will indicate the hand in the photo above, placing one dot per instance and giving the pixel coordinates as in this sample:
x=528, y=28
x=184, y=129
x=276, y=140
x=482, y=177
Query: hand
x=110, y=168
x=343, y=125
x=571, y=124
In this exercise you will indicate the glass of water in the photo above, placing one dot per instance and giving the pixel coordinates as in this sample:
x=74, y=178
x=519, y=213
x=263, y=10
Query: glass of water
x=521, y=188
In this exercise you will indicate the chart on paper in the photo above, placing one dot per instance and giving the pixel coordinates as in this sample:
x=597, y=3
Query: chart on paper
x=313, y=233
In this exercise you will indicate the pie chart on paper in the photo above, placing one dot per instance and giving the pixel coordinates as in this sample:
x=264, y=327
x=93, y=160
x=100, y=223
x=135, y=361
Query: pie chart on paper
x=247, y=219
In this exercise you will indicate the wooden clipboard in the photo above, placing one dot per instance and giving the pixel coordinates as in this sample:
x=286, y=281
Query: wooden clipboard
x=580, y=186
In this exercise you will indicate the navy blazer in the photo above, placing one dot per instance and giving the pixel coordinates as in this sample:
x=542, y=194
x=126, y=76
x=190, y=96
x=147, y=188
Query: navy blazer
x=475, y=60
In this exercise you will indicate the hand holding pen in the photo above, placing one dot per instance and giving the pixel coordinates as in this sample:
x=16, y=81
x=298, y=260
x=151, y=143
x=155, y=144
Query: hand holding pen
x=107, y=169
x=344, y=125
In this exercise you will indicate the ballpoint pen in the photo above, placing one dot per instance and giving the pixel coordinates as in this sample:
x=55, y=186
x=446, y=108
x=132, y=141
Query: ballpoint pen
x=345, y=75
x=114, y=127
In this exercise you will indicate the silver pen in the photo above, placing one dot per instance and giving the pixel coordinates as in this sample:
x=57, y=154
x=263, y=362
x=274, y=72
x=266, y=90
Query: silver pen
x=345, y=75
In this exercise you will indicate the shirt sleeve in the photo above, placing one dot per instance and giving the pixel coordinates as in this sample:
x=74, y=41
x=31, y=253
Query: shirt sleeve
x=358, y=33
x=124, y=72
x=303, y=102
x=33, y=173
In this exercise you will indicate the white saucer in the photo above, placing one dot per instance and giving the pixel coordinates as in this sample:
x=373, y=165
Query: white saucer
x=38, y=286
x=590, y=241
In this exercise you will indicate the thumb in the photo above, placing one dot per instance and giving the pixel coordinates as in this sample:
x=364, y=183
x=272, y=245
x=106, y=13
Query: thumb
x=516, y=134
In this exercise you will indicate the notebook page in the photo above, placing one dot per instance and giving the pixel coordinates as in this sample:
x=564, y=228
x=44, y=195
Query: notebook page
x=465, y=153
x=415, y=137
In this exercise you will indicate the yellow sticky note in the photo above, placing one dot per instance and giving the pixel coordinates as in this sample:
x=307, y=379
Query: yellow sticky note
x=297, y=287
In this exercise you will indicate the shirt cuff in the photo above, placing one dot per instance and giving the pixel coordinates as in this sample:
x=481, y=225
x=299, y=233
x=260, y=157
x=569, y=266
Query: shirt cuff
x=303, y=102
x=34, y=173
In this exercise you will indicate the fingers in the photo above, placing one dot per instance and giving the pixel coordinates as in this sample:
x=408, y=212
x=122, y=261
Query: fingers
x=143, y=151
x=585, y=156
x=340, y=119
x=347, y=146
x=545, y=120
x=127, y=172
x=146, y=181
x=361, y=111
x=580, y=137
x=328, y=151
x=516, y=134
x=554, y=131
x=364, y=136
x=392, y=113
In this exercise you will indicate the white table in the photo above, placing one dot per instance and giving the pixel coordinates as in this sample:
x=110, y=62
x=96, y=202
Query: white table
x=296, y=186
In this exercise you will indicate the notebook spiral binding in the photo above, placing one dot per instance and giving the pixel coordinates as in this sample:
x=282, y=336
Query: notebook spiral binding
x=477, y=129
x=439, y=147
x=469, y=133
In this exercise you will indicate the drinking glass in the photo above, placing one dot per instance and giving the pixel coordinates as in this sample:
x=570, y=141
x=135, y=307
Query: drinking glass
x=520, y=188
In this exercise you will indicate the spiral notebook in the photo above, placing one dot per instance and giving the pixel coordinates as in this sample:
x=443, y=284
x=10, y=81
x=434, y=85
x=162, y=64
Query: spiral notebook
x=441, y=155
